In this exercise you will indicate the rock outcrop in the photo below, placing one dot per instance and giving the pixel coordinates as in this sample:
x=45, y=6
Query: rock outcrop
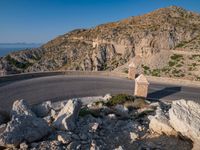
x=68, y=115
x=185, y=118
x=42, y=110
x=98, y=125
x=23, y=127
x=160, y=123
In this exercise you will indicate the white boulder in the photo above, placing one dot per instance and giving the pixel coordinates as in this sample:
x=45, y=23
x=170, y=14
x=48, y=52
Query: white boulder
x=185, y=118
x=68, y=115
x=160, y=123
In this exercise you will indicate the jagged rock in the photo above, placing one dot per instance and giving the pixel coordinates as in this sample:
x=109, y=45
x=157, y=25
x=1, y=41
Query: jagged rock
x=64, y=137
x=23, y=146
x=93, y=126
x=74, y=145
x=107, y=97
x=2, y=128
x=93, y=146
x=185, y=118
x=42, y=110
x=68, y=115
x=133, y=136
x=57, y=106
x=47, y=145
x=121, y=110
x=20, y=107
x=119, y=148
x=160, y=123
x=23, y=127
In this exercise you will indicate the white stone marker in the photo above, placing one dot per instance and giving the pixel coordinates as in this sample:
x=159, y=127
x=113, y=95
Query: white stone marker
x=2, y=73
x=141, y=86
x=131, y=71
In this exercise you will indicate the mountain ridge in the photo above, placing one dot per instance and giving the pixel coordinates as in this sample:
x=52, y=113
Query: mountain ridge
x=148, y=40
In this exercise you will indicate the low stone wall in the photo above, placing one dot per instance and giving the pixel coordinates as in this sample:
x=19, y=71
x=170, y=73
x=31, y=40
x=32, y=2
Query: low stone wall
x=16, y=77
x=173, y=81
x=164, y=80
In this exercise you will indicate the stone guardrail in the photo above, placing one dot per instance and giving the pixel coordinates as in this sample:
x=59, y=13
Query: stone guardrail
x=164, y=80
x=15, y=77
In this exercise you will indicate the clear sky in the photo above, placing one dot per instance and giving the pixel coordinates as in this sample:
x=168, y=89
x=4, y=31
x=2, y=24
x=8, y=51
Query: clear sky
x=42, y=20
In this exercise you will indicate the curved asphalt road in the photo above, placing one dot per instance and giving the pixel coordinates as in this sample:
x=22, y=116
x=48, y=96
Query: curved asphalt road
x=63, y=87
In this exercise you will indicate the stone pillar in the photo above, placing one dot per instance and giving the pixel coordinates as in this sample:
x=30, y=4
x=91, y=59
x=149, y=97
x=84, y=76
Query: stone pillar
x=131, y=71
x=2, y=73
x=141, y=86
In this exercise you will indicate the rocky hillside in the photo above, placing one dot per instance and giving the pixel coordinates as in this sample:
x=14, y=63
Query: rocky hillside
x=151, y=40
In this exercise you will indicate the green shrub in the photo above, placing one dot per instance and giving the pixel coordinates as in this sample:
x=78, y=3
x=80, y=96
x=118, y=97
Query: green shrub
x=119, y=99
x=22, y=65
x=139, y=103
x=145, y=67
x=85, y=111
x=176, y=57
x=172, y=63
x=156, y=72
x=179, y=65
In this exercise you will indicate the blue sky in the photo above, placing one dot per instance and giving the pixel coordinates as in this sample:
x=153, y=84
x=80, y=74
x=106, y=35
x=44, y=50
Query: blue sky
x=42, y=20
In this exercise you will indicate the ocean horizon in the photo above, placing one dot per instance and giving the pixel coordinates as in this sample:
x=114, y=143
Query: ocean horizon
x=5, y=49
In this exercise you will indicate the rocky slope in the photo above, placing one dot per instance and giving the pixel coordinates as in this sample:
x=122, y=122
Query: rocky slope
x=148, y=39
x=120, y=122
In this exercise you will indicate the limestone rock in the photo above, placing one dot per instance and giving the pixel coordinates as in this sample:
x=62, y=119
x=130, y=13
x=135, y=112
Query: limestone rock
x=2, y=128
x=93, y=146
x=64, y=137
x=23, y=127
x=47, y=145
x=133, y=136
x=23, y=146
x=21, y=107
x=185, y=118
x=93, y=126
x=107, y=97
x=42, y=110
x=121, y=110
x=68, y=115
x=160, y=123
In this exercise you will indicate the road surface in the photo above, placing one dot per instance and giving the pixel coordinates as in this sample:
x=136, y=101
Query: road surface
x=62, y=87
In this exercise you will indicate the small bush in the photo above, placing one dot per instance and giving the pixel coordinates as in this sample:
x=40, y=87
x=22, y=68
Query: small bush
x=22, y=65
x=85, y=111
x=156, y=72
x=176, y=57
x=172, y=63
x=179, y=65
x=119, y=99
x=139, y=103
x=145, y=67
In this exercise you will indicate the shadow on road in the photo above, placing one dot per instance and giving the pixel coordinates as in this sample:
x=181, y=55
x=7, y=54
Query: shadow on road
x=164, y=92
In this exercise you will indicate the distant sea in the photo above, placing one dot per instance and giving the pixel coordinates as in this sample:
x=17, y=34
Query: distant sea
x=7, y=48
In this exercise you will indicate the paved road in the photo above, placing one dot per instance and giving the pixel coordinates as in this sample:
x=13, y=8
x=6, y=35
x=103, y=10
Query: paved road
x=63, y=87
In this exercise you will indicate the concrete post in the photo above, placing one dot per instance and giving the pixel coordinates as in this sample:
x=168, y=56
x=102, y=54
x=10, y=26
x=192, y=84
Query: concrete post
x=131, y=71
x=141, y=86
x=2, y=73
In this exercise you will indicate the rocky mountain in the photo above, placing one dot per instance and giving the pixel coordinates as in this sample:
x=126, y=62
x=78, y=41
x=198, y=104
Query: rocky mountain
x=165, y=42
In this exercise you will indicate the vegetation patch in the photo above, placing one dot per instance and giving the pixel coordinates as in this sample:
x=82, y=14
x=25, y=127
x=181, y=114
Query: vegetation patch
x=86, y=111
x=21, y=65
x=120, y=99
